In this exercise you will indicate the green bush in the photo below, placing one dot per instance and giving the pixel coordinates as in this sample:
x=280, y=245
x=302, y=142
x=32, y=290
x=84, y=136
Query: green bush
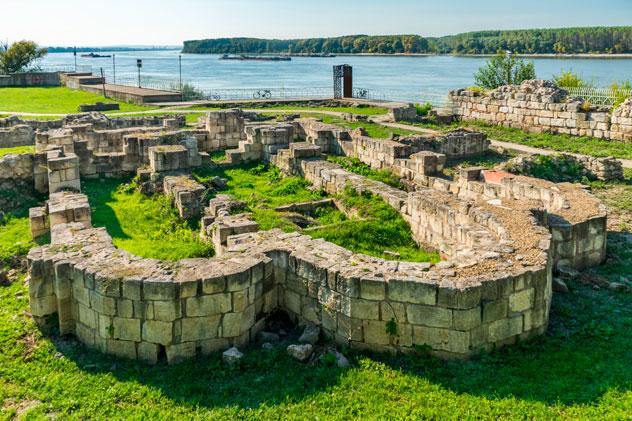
x=504, y=69
x=19, y=57
x=423, y=109
x=621, y=91
x=568, y=79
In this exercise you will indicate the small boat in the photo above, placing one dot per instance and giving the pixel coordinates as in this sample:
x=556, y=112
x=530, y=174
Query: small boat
x=93, y=55
x=244, y=57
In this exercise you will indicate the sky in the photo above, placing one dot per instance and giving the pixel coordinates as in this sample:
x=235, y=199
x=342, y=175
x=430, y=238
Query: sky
x=170, y=22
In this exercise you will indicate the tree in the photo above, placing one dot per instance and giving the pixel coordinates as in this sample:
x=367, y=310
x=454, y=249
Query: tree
x=504, y=69
x=19, y=56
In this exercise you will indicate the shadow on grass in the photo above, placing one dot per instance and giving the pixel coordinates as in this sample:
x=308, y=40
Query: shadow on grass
x=100, y=193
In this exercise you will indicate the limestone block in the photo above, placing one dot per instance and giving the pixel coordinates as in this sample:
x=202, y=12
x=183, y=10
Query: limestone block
x=199, y=328
x=429, y=316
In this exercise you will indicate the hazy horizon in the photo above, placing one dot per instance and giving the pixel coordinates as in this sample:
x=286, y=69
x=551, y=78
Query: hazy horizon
x=169, y=23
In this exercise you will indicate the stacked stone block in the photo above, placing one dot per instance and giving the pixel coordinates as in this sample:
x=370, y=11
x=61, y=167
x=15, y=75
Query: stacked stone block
x=540, y=106
x=186, y=195
x=225, y=129
x=14, y=136
x=63, y=171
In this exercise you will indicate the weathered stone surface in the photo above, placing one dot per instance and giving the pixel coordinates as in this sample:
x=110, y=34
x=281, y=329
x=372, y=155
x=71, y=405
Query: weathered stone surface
x=310, y=335
x=231, y=356
x=300, y=352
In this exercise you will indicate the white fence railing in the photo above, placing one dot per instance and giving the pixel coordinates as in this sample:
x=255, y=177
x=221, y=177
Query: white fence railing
x=606, y=97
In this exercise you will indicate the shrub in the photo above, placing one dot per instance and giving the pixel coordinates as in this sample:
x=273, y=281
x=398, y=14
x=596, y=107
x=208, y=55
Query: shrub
x=556, y=168
x=476, y=89
x=19, y=57
x=423, y=109
x=621, y=92
x=568, y=79
x=504, y=69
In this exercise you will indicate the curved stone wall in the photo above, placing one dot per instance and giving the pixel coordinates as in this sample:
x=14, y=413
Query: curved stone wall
x=492, y=288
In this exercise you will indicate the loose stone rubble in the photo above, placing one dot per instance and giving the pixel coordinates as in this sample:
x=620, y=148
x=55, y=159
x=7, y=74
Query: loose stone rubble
x=500, y=237
x=541, y=106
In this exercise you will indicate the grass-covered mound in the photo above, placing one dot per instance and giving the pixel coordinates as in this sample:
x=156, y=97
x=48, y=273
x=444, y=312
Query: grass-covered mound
x=145, y=226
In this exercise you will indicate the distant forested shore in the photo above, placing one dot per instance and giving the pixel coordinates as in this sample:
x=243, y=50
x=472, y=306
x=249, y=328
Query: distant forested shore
x=592, y=40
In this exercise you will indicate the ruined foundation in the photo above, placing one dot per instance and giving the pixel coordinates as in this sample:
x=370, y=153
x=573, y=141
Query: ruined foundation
x=500, y=236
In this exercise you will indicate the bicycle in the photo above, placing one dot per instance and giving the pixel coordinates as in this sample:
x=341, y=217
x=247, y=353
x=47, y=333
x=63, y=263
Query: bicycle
x=262, y=94
x=362, y=93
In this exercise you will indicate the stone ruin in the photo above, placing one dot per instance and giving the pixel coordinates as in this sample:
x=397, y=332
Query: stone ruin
x=540, y=106
x=500, y=236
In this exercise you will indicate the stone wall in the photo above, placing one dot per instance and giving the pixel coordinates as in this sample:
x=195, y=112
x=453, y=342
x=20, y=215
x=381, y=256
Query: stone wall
x=16, y=180
x=30, y=79
x=540, y=106
x=17, y=136
x=225, y=129
x=141, y=309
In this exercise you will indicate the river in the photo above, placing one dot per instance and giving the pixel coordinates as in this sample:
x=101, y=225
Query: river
x=418, y=78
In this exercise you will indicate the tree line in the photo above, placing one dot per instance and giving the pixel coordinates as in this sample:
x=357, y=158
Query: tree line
x=602, y=40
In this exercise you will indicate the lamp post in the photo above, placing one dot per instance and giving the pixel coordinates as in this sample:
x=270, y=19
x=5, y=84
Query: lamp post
x=74, y=52
x=180, y=80
x=139, y=64
x=114, y=68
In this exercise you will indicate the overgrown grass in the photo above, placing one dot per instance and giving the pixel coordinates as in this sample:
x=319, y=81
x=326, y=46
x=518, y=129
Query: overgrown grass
x=557, y=142
x=381, y=228
x=53, y=100
x=356, y=166
x=16, y=150
x=144, y=226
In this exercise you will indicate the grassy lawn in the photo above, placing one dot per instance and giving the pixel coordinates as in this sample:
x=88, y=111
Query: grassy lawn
x=53, y=100
x=16, y=150
x=144, y=226
x=557, y=142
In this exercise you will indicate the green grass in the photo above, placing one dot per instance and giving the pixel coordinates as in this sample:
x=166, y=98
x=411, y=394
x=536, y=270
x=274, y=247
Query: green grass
x=374, y=130
x=356, y=166
x=379, y=228
x=557, y=142
x=15, y=237
x=53, y=100
x=581, y=370
x=191, y=118
x=16, y=150
x=144, y=226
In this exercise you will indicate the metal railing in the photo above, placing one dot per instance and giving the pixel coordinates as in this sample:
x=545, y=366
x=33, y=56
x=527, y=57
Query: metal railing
x=606, y=97
x=190, y=90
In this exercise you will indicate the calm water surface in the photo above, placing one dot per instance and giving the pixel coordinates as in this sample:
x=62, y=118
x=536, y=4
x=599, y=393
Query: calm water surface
x=405, y=78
